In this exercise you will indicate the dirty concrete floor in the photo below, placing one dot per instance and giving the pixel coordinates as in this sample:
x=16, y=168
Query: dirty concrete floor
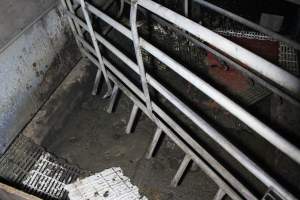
x=95, y=140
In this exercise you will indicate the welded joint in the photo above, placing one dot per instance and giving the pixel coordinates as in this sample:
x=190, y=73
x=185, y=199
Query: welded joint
x=220, y=194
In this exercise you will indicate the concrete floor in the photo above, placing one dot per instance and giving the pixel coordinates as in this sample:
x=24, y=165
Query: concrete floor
x=95, y=140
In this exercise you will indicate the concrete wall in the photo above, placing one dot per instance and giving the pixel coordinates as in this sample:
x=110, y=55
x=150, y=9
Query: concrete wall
x=31, y=68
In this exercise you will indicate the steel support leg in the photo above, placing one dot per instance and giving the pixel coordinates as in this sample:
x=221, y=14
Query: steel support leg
x=186, y=8
x=132, y=119
x=113, y=99
x=154, y=142
x=220, y=194
x=138, y=53
x=97, y=82
x=185, y=162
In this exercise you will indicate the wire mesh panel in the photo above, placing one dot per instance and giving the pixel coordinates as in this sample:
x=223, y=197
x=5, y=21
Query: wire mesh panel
x=31, y=168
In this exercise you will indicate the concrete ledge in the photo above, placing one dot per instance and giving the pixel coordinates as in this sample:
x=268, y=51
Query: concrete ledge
x=31, y=68
x=53, y=114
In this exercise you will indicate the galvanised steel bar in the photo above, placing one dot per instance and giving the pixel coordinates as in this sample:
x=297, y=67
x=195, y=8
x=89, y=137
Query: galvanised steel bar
x=76, y=29
x=183, y=166
x=262, y=129
x=249, y=23
x=113, y=99
x=72, y=24
x=220, y=195
x=70, y=7
x=132, y=118
x=96, y=82
x=258, y=64
x=186, y=8
x=183, y=134
x=207, y=169
x=96, y=46
x=233, y=64
x=242, y=158
x=266, y=132
x=138, y=53
x=154, y=142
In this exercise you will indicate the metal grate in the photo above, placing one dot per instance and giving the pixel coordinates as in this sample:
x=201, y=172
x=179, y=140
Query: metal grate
x=244, y=34
x=109, y=184
x=29, y=167
x=288, y=58
x=254, y=94
x=192, y=55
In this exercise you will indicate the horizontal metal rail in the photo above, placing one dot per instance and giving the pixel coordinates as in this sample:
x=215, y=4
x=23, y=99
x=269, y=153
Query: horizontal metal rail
x=248, y=23
x=218, y=167
x=211, y=173
x=253, y=61
x=204, y=87
x=232, y=63
x=266, y=132
x=229, y=147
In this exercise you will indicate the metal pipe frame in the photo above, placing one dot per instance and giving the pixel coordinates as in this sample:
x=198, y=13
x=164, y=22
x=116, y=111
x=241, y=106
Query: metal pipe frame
x=222, y=172
x=138, y=53
x=253, y=61
x=185, y=162
x=140, y=105
x=248, y=23
x=220, y=182
x=154, y=142
x=232, y=63
x=113, y=99
x=96, y=46
x=242, y=158
x=266, y=132
x=132, y=118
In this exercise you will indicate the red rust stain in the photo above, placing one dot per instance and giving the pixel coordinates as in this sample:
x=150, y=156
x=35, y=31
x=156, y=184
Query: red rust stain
x=231, y=78
x=268, y=50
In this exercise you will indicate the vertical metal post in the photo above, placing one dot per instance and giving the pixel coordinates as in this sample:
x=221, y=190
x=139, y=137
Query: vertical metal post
x=154, y=142
x=132, y=119
x=186, y=8
x=79, y=31
x=72, y=24
x=113, y=98
x=96, y=82
x=96, y=46
x=71, y=9
x=185, y=162
x=137, y=48
x=220, y=194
